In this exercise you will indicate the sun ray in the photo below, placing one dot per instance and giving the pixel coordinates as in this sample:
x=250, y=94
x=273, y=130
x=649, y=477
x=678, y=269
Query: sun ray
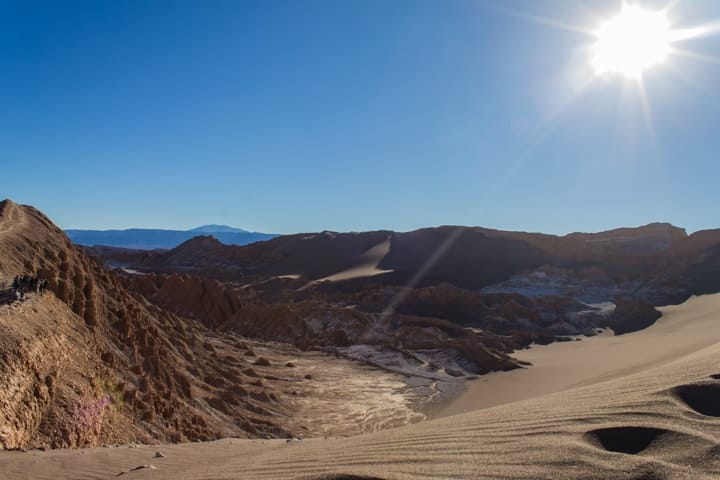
x=687, y=80
x=647, y=111
x=637, y=40
x=671, y=5
x=422, y=272
x=696, y=56
x=681, y=34
x=543, y=131
x=540, y=20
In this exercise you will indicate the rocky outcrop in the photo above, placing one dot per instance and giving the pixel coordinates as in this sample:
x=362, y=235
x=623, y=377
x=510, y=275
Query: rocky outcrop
x=467, y=257
x=631, y=315
x=310, y=256
x=543, y=279
x=202, y=299
x=307, y=322
x=91, y=362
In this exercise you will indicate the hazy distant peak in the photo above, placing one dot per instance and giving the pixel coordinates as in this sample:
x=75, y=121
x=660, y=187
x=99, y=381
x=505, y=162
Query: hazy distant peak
x=217, y=229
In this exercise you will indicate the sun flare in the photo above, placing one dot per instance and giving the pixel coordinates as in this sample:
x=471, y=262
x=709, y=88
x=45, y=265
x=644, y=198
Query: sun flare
x=631, y=42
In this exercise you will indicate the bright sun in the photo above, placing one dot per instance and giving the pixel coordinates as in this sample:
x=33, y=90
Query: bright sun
x=631, y=42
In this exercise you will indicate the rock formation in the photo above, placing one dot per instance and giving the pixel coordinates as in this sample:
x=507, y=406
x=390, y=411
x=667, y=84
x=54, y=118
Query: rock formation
x=90, y=362
x=467, y=257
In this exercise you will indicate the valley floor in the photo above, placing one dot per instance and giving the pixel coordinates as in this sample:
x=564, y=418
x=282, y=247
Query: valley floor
x=642, y=406
x=326, y=395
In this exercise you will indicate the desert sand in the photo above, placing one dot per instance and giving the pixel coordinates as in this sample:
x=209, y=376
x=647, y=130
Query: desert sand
x=681, y=330
x=641, y=406
x=367, y=266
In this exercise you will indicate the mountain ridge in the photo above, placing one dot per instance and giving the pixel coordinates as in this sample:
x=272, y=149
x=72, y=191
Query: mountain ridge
x=626, y=250
x=152, y=238
x=215, y=228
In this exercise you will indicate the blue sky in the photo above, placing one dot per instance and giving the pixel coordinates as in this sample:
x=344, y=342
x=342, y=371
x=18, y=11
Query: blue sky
x=289, y=116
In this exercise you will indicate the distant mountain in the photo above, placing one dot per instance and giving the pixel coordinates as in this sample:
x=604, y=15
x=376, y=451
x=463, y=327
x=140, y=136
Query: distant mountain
x=217, y=229
x=149, y=239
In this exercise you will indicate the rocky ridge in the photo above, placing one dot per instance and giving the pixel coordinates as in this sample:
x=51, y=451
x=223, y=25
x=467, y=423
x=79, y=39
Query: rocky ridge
x=497, y=291
x=92, y=362
x=472, y=257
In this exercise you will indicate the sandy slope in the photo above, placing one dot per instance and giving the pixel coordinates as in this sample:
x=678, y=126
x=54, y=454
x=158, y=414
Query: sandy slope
x=367, y=265
x=659, y=418
x=681, y=330
x=10, y=219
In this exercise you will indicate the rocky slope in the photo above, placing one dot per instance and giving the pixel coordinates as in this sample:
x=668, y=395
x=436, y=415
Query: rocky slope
x=566, y=285
x=467, y=257
x=310, y=321
x=91, y=362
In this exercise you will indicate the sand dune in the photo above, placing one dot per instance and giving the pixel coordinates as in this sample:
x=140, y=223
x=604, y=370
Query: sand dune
x=367, y=266
x=656, y=418
x=681, y=330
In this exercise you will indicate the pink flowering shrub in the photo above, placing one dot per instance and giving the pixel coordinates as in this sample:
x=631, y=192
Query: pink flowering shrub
x=89, y=418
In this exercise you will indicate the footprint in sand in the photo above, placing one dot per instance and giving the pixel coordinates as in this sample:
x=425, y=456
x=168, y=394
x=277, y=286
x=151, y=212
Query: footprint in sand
x=627, y=439
x=650, y=441
x=702, y=398
x=340, y=476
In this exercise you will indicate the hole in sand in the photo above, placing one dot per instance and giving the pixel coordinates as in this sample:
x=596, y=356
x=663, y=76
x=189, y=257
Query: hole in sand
x=716, y=376
x=340, y=476
x=629, y=440
x=649, y=476
x=704, y=398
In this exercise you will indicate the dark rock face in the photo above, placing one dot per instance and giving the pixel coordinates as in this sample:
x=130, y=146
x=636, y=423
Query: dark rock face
x=704, y=272
x=467, y=257
x=631, y=315
x=311, y=256
x=472, y=258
